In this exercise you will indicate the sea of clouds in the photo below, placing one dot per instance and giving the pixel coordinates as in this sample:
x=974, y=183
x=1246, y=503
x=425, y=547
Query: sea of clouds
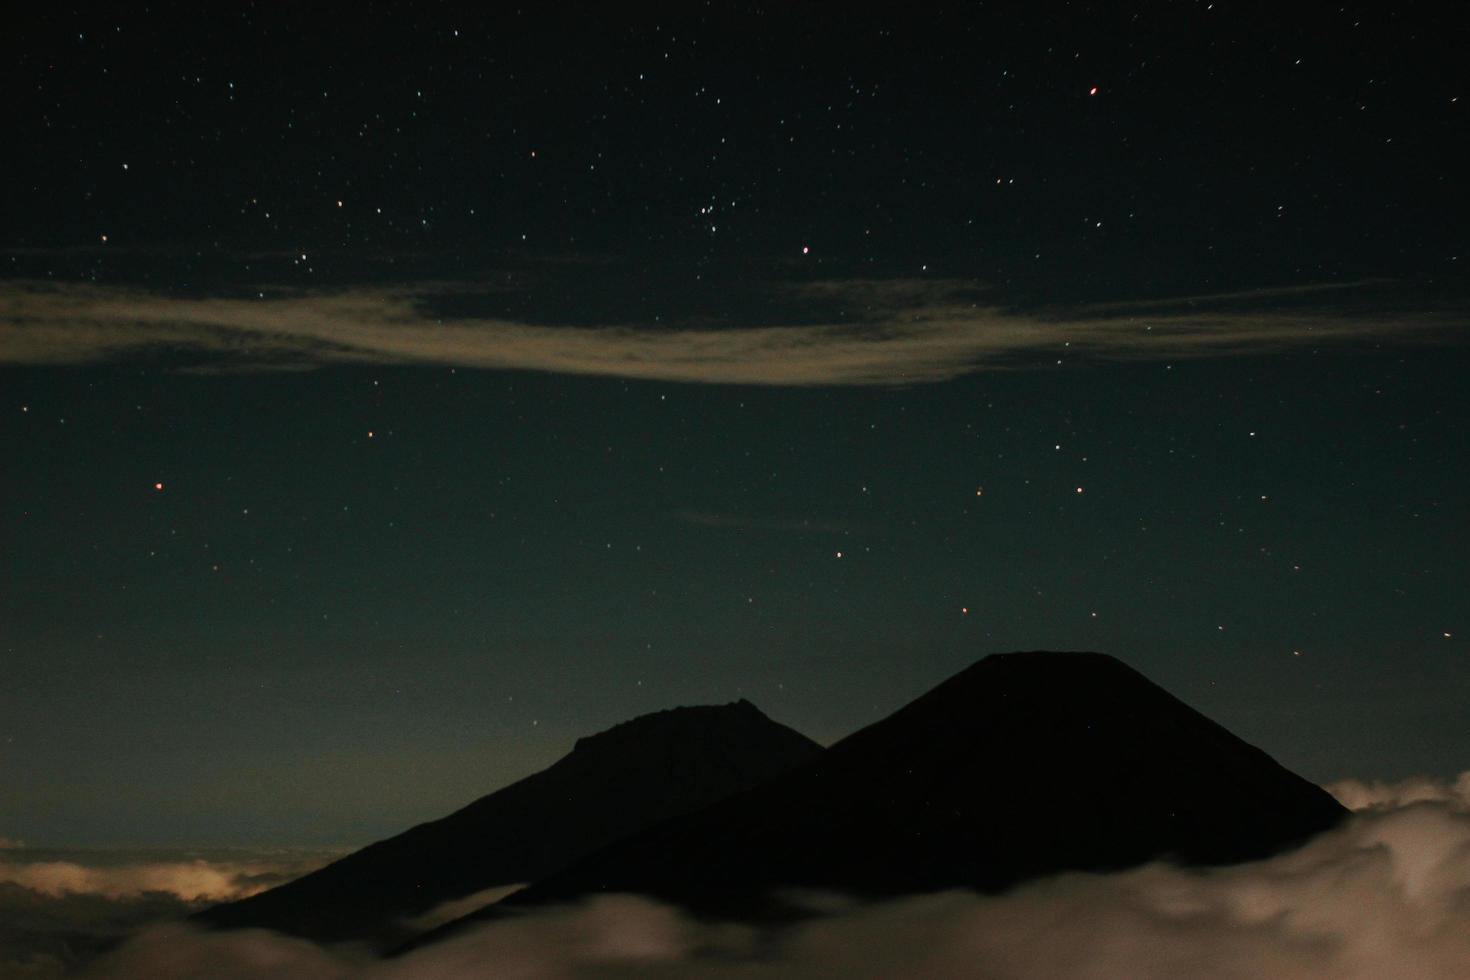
x=1386, y=895
x=60, y=908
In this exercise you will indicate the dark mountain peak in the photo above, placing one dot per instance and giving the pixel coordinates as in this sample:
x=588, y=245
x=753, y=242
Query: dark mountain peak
x=1019, y=766
x=610, y=785
x=1026, y=695
x=1061, y=668
x=703, y=720
x=1057, y=677
x=1068, y=659
x=1057, y=657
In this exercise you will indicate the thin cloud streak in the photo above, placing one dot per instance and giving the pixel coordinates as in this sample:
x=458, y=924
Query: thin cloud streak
x=904, y=333
x=739, y=522
x=1243, y=296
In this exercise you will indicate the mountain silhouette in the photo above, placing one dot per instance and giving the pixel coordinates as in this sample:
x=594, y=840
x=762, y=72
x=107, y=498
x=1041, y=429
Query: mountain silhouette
x=1022, y=765
x=611, y=784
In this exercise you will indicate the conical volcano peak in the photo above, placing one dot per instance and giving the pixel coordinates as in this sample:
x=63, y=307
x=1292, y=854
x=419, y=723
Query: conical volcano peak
x=1019, y=766
x=1068, y=666
x=1058, y=683
x=1056, y=658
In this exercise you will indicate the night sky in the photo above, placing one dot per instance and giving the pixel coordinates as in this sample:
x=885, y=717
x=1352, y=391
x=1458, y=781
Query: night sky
x=390, y=397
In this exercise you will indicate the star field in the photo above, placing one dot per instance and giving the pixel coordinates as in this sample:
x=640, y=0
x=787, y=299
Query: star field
x=389, y=397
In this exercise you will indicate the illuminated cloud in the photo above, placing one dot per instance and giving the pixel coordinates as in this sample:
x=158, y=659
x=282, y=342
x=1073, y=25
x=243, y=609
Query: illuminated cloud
x=880, y=332
x=458, y=908
x=59, y=909
x=1356, y=794
x=189, y=882
x=123, y=877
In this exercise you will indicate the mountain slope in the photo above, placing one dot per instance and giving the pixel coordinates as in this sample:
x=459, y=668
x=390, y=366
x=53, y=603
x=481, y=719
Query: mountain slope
x=610, y=785
x=1020, y=766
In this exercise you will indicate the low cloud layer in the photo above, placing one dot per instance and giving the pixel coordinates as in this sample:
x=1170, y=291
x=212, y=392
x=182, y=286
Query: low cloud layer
x=120, y=876
x=61, y=908
x=458, y=908
x=1356, y=794
x=889, y=332
x=1388, y=895
x=188, y=881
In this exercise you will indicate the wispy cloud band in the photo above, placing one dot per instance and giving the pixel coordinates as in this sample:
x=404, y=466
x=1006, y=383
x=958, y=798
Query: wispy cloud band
x=891, y=332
